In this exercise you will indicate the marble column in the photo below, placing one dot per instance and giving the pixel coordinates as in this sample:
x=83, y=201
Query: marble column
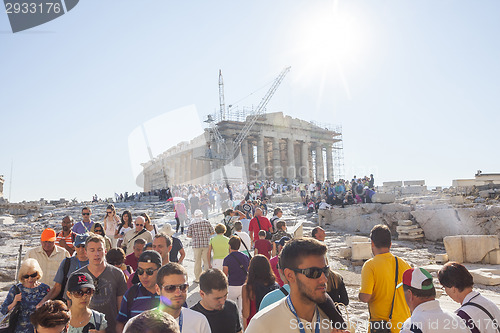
x=177, y=169
x=277, y=172
x=320, y=166
x=304, y=167
x=329, y=162
x=261, y=158
x=291, y=174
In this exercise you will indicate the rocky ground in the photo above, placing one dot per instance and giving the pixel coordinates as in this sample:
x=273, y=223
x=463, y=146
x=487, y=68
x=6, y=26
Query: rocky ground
x=26, y=230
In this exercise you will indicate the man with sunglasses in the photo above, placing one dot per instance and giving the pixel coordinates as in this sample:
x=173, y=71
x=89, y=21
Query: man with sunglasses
x=109, y=281
x=142, y=296
x=303, y=262
x=172, y=286
x=86, y=225
x=66, y=268
x=138, y=232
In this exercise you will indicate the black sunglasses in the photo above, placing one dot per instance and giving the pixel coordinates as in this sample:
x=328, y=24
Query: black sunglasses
x=148, y=271
x=30, y=275
x=313, y=272
x=170, y=288
x=81, y=293
x=85, y=213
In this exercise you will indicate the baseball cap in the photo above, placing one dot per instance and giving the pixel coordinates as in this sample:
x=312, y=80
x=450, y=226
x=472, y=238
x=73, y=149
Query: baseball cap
x=415, y=278
x=150, y=256
x=78, y=281
x=80, y=239
x=48, y=235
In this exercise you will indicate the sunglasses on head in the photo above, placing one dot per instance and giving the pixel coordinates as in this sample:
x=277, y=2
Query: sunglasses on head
x=81, y=293
x=85, y=213
x=30, y=275
x=170, y=288
x=312, y=272
x=148, y=271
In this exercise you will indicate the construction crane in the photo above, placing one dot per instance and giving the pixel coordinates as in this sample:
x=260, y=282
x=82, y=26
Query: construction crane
x=225, y=154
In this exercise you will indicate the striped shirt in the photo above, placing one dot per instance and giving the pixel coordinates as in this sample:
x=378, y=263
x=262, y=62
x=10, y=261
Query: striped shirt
x=143, y=300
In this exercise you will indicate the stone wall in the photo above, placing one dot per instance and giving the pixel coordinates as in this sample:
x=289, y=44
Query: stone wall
x=437, y=221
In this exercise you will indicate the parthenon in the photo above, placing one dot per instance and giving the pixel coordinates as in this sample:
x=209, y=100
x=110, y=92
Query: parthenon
x=278, y=147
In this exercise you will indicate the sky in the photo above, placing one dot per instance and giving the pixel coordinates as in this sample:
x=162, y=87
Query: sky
x=414, y=84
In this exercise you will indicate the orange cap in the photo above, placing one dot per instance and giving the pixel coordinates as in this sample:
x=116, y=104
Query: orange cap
x=48, y=235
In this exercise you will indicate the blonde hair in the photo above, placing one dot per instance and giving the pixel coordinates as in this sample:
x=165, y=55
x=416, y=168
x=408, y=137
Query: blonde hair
x=28, y=265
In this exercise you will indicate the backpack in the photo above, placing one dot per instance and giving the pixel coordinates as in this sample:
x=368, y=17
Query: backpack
x=90, y=326
x=67, y=263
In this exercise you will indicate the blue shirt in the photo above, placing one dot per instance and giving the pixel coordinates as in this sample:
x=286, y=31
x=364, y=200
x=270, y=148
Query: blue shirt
x=82, y=227
x=73, y=266
x=143, y=301
x=273, y=297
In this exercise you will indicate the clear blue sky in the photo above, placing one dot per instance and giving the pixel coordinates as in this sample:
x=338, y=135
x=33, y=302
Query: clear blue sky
x=415, y=84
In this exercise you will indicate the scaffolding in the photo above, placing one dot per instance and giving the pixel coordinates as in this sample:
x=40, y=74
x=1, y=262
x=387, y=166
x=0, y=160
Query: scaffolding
x=338, y=155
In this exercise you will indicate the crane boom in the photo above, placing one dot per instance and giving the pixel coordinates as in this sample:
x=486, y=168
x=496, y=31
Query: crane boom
x=221, y=98
x=260, y=108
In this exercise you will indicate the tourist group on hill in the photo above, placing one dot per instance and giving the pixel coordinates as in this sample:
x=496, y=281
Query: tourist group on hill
x=125, y=274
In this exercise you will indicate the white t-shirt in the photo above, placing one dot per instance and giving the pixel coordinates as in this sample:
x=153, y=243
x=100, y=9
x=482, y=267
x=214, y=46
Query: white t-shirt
x=193, y=322
x=277, y=317
x=245, y=238
x=429, y=317
x=479, y=318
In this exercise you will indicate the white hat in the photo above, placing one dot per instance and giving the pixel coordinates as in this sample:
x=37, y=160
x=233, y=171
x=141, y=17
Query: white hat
x=198, y=213
x=167, y=229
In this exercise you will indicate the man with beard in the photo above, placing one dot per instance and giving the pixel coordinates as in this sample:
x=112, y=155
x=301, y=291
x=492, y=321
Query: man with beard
x=66, y=237
x=171, y=285
x=303, y=262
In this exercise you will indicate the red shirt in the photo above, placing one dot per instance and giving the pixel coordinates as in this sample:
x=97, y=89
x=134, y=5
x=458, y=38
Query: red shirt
x=254, y=226
x=263, y=246
x=132, y=261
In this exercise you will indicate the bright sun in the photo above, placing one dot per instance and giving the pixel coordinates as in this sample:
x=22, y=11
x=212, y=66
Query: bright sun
x=328, y=39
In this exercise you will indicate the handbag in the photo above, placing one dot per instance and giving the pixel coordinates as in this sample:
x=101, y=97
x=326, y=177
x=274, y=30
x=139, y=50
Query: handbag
x=8, y=322
x=383, y=326
x=268, y=234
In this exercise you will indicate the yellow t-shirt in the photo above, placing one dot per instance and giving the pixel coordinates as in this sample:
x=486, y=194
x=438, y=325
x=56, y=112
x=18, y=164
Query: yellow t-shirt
x=377, y=279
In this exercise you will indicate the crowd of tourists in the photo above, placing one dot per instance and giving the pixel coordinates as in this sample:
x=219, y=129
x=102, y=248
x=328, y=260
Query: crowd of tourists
x=125, y=274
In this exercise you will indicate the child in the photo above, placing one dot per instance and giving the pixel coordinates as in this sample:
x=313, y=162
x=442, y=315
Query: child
x=262, y=245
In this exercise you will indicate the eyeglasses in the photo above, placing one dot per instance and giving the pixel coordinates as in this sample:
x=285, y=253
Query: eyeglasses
x=98, y=230
x=85, y=214
x=80, y=246
x=109, y=212
x=170, y=288
x=81, y=293
x=313, y=272
x=34, y=275
x=139, y=225
x=148, y=271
